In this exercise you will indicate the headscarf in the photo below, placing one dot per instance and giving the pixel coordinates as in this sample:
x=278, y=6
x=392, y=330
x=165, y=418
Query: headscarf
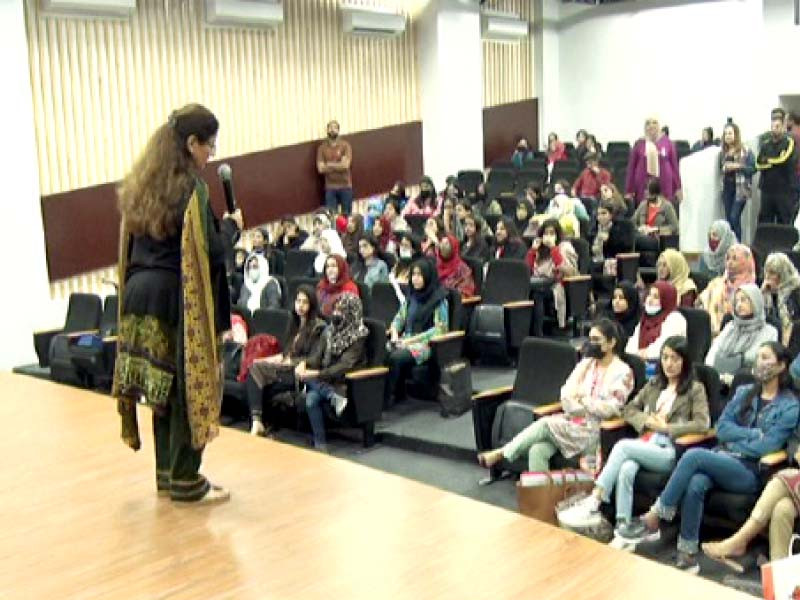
x=387, y=235
x=343, y=335
x=628, y=319
x=678, y=271
x=714, y=260
x=336, y=249
x=745, y=270
x=650, y=326
x=422, y=303
x=256, y=288
x=350, y=240
x=780, y=264
x=326, y=286
x=522, y=225
x=744, y=333
x=446, y=268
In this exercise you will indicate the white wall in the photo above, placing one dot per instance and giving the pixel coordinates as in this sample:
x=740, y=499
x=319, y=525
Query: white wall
x=24, y=272
x=691, y=64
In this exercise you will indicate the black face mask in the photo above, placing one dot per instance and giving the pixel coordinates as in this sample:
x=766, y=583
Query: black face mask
x=337, y=320
x=653, y=199
x=332, y=136
x=426, y=194
x=521, y=149
x=593, y=350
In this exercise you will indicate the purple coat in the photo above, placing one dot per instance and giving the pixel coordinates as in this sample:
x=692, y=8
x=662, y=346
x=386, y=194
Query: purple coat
x=636, y=181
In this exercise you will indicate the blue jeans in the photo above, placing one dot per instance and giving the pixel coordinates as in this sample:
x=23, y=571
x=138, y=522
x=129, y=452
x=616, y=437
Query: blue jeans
x=318, y=394
x=625, y=460
x=733, y=209
x=343, y=196
x=697, y=472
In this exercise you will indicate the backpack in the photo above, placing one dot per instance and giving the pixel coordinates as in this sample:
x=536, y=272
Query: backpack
x=258, y=346
x=455, y=388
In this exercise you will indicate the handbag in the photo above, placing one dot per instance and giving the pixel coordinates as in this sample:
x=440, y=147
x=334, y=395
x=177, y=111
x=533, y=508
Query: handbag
x=780, y=579
x=539, y=494
x=455, y=388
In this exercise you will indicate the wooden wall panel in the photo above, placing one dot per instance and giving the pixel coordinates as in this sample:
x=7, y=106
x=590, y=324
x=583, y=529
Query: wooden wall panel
x=503, y=126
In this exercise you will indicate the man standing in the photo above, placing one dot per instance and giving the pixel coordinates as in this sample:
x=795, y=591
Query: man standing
x=776, y=162
x=333, y=161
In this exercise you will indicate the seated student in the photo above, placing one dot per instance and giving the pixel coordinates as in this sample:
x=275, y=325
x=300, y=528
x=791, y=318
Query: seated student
x=737, y=344
x=597, y=389
x=475, y=245
x=570, y=212
x=434, y=230
x=289, y=236
x=452, y=224
x=671, y=404
x=522, y=153
x=535, y=197
x=334, y=282
x=507, y=243
x=610, y=193
x=453, y=272
x=660, y=321
x=591, y=179
x=426, y=203
x=260, y=240
x=342, y=349
x=614, y=234
x=717, y=298
x=260, y=290
x=781, y=289
x=625, y=308
x=353, y=233
x=672, y=266
x=330, y=245
x=654, y=218
x=370, y=268
x=385, y=236
x=408, y=251
x=321, y=222
x=778, y=507
x=391, y=212
x=720, y=239
x=236, y=276
x=556, y=150
x=757, y=421
x=551, y=258
x=522, y=216
x=264, y=379
x=423, y=315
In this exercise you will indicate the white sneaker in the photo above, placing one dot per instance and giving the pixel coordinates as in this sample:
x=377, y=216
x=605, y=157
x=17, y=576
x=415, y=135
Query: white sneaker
x=620, y=543
x=585, y=513
x=339, y=404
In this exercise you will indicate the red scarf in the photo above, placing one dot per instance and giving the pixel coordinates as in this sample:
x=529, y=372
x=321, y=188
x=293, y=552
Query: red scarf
x=650, y=326
x=387, y=235
x=447, y=267
x=326, y=286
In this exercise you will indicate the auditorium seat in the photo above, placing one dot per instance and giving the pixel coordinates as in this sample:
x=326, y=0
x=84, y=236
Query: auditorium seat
x=276, y=322
x=698, y=332
x=772, y=237
x=385, y=304
x=83, y=314
x=94, y=362
x=299, y=263
x=469, y=181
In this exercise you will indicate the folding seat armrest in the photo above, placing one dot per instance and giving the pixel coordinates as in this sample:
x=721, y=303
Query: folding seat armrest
x=573, y=279
x=547, y=409
x=774, y=458
x=76, y=334
x=470, y=301
x=110, y=339
x=448, y=337
x=628, y=256
x=366, y=373
x=448, y=347
x=519, y=304
x=694, y=440
x=501, y=393
x=484, y=408
x=518, y=316
x=612, y=424
x=365, y=391
x=41, y=343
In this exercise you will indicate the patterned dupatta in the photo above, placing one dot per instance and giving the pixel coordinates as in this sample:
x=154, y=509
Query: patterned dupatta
x=202, y=375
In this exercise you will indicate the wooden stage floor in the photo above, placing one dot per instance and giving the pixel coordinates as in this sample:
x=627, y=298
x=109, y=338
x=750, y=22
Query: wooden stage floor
x=79, y=518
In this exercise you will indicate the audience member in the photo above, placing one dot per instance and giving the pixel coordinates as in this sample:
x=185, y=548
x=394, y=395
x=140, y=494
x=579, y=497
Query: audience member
x=370, y=268
x=720, y=239
x=654, y=218
x=652, y=156
x=793, y=128
x=569, y=211
x=342, y=349
x=660, y=320
x=289, y=236
x=320, y=223
x=274, y=375
x=453, y=272
x=706, y=140
x=522, y=216
x=781, y=290
x=391, y=211
x=671, y=404
x=717, y=298
x=593, y=146
x=737, y=344
x=423, y=315
x=426, y=203
x=556, y=150
x=260, y=290
x=383, y=232
x=408, y=251
x=475, y=245
x=535, y=197
x=507, y=242
x=737, y=165
x=778, y=183
x=334, y=282
x=334, y=158
x=625, y=308
x=672, y=266
x=434, y=230
x=329, y=245
x=758, y=420
x=614, y=233
x=580, y=146
x=353, y=233
x=522, y=153
x=591, y=179
x=452, y=224
x=259, y=239
x=596, y=389
x=398, y=195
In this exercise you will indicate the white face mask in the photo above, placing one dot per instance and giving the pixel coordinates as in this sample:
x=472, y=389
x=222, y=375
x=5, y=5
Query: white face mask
x=254, y=274
x=405, y=253
x=652, y=309
x=549, y=240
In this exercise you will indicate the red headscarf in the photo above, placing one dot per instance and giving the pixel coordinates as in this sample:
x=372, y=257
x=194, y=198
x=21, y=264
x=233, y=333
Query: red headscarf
x=387, y=235
x=650, y=327
x=344, y=276
x=447, y=267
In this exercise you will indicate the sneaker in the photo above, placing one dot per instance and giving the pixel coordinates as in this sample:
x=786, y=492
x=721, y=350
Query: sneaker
x=339, y=404
x=620, y=543
x=584, y=513
x=636, y=532
x=688, y=563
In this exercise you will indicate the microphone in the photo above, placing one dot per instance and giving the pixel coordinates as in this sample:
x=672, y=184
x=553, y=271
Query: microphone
x=226, y=178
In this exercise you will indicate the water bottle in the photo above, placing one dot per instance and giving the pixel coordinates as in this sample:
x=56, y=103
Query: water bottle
x=650, y=368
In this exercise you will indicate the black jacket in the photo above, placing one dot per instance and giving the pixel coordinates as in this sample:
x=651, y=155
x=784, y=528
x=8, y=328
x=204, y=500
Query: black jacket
x=776, y=162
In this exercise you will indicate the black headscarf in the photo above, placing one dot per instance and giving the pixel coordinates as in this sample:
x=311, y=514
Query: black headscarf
x=422, y=303
x=630, y=318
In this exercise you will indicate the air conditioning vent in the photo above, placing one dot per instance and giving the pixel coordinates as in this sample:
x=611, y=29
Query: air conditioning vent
x=358, y=21
x=90, y=8
x=244, y=13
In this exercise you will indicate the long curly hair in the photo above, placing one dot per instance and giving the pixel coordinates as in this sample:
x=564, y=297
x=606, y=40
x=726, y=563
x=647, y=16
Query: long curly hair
x=150, y=196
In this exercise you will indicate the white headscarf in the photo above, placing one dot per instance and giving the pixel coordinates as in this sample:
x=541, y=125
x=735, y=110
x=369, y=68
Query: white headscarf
x=335, y=244
x=256, y=288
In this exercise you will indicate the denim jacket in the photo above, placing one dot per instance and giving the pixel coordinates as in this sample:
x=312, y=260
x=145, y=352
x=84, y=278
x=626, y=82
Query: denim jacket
x=768, y=426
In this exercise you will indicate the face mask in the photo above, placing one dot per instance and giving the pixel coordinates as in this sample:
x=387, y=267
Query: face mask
x=426, y=193
x=652, y=309
x=549, y=240
x=593, y=350
x=764, y=372
x=520, y=148
x=254, y=274
x=337, y=320
x=404, y=253
x=713, y=244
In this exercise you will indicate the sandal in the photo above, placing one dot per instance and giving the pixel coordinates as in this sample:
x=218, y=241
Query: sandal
x=727, y=561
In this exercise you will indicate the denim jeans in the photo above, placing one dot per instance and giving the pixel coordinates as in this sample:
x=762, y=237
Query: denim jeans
x=343, y=196
x=625, y=460
x=318, y=393
x=733, y=209
x=697, y=472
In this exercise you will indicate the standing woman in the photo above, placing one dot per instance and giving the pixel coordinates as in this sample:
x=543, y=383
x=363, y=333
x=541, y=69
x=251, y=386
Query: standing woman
x=175, y=303
x=737, y=165
x=652, y=156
